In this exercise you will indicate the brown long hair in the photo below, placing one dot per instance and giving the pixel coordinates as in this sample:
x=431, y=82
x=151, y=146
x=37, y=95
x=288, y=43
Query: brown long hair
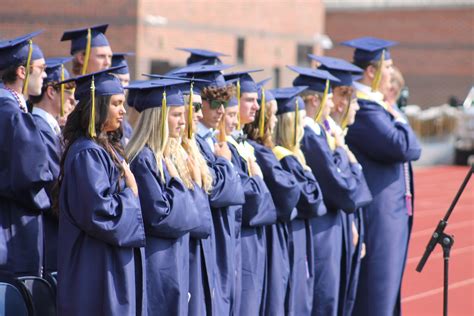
x=253, y=131
x=77, y=126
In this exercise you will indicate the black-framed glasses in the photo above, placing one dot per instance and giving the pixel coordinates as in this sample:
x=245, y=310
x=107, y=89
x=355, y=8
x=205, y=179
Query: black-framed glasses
x=197, y=106
x=215, y=104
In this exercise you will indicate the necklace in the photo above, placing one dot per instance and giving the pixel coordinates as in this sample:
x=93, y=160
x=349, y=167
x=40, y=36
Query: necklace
x=17, y=98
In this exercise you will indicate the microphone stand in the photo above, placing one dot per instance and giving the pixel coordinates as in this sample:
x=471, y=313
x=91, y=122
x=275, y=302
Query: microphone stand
x=445, y=240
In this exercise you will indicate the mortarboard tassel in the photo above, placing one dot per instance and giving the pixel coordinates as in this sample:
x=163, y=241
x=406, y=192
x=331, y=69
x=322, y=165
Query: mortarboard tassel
x=378, y=73
x=297, y=118
x=261, y=123
x=345, y=118
x=88, y=52
x=238, y=105
x=164, y=117
x=323, y=102
x=28, y=62
x=61, y=112
x=189, y=129
x=92, y=116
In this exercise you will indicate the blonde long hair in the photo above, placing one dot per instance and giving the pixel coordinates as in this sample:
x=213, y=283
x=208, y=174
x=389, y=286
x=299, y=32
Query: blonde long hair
x=192, y=149
x=148, y=132
x=284, y=134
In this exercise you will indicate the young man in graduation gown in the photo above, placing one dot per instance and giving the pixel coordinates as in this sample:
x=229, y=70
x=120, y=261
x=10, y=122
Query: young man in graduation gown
x=227, y=196
x=259, y=209
x=24, y=170
x=47, y=108
x=384, y=144
x=90, y=49
x=342, y=116
x=336, y=173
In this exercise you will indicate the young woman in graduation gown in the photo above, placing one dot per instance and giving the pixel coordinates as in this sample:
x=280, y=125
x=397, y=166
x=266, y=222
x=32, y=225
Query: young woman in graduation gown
x=285, y=193
x=287, y=136
x=167, y=204
x=100, y=222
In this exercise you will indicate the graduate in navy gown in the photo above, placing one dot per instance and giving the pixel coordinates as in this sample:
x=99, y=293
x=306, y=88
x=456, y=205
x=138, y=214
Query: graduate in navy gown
x=226, y=197
x=288, y=134
x=383, y=143
x=101, y=228
x=47, y=108
x=259, y=209
x=165, y=187
x=341, y=184
x=24, y=167
x=285, y=194
x=342, y=115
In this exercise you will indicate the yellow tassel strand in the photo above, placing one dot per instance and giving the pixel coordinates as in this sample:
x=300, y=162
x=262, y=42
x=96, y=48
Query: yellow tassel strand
x=190, y=112
x=238, y=105
x=345, y=118
x=297, y=118
x=323, y=102
x=88, y=52
x=28, y=63
x=61, y=113
x=261, y=122
x=92, y=117
x=378, y=73
x=164, y=117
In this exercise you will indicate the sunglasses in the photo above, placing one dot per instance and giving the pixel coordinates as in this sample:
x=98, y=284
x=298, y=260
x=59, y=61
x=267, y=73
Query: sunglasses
x=197, y=106
x=215, y=104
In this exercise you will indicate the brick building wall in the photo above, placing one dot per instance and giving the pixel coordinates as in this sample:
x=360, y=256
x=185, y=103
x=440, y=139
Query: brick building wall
x=436, y=51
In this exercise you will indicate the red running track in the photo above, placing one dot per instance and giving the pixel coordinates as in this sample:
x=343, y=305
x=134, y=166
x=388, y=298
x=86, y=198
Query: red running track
x=422, y=293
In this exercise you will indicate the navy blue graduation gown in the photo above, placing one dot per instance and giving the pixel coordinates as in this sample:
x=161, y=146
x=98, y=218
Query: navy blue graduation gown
x=169, y=215
x=257, y=212
x=344, y=190
x=285, y=193
x=101, y=228
x=299, y=300
x=50, y=220
x=201, y=258
x=382, y=145
x=226, y=201
x=24, y=175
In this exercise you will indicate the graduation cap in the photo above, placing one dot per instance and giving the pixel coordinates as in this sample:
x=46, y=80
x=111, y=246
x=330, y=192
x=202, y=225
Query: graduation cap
x=211, y=73
x=288, y=100
x=82, y=38
x=118, y=59
x=209, y=57
x=100, y=83
x=85, y=39
x=371, y=49
x=20, y=50
x=316, y=80
x=339, y=68
x=56, y=72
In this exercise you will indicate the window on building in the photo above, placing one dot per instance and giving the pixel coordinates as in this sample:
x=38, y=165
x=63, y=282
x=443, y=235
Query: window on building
x=159, y=66
x=302, y=54
x=276, y=77
x=240, y=50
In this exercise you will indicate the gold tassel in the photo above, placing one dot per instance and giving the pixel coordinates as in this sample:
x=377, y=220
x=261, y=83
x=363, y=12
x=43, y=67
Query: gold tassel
x=28, y=62
x=323, y=102
x=88, y=52
x=190, y=112
x=92, y=117
x=261, y=123
x=164, y=117
x=61, y=113
x=378, y=73
x=238, y=105
x=345, y=118
x=297, y=118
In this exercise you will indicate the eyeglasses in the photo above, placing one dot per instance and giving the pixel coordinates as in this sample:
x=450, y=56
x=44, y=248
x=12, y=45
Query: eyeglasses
x=215, y=104
x=40, y=67
x=197, y=106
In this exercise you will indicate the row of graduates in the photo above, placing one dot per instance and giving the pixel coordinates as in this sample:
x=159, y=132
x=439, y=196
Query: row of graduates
x=237, y=200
